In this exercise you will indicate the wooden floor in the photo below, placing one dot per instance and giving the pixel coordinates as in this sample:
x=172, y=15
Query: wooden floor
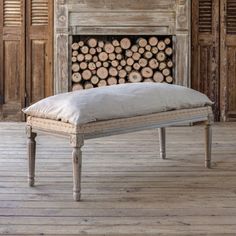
x=126, y=188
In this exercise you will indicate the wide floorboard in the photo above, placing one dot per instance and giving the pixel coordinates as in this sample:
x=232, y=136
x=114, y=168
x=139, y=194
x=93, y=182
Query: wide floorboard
x=126, y=188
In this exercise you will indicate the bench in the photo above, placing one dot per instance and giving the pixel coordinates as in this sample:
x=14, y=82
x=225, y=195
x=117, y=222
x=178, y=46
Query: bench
x=77, y=133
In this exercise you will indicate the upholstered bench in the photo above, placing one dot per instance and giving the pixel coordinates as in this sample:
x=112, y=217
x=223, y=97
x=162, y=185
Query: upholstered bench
x=78, y=116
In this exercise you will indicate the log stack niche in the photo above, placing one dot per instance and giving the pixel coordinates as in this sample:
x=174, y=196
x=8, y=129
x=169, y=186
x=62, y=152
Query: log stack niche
x=107, y=42
x=107, y=60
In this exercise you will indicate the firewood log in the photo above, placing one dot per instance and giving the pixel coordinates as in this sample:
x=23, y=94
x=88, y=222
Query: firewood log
x=77, y=86
x=143, y=62
x=119, y=67
x=109, y=48
x=153, y=41
x=170, y=64
x=119, y=56
x=142, y=42
x=130, y=61
x=148, y=55
x=115, y=43
x=147, y=72
x=134, y=48
x=95, y=58
x=75, y=53
x=158, y=77
x=123, y=62
x=128, y=53
x=125, y=43
x=128, y=68
x=88, y=57
x=122, y=73
x=83, y=65
x=74, y=59
x=169, y=79
x=141, y=50
x=76, y=77
x=153, y=63
x=112, y=80
x=80, y=57
x=92, y=42
x=98, y=64
x=162, y=65
x=166, y=72
x=112, y=56
x=88, y=85
x=136, y=66
x=154, y=50
x=84, y=49
x=114, y=63
x=168, y=51
x=100, y=44
x=118, y=50
x=148, y=47
x=167, y=41
x=105, y=64
x=134, y=77
x=103, y=56
x=113, y=71
x=121, y=81
x=86, y=74
x=161, y=45
x=136, y=56
x=91, y=66
x=75, y=67
x=94, y=79
x=81, y=43
x=102, y=73
x=160, y=56
x=94, y=72
x=148, y=80
x=102, y=83
x=98, y=49
x=92, y=51
x=75, y=46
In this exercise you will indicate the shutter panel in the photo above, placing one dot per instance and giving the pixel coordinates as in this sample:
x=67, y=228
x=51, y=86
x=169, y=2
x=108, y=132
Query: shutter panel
x=205, y=49
x=205, y=16
x=231, y=17
x=12, y=13
x=39, y=12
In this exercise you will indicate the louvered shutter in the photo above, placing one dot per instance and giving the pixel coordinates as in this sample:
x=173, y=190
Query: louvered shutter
x=228, y=60
x=39, y=39
x=12, y=59
x=205, y=49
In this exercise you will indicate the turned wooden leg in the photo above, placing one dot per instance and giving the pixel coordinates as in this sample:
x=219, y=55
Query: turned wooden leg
x=31, y=147
x=208, y=142
x=162, y=140
x=76, y=142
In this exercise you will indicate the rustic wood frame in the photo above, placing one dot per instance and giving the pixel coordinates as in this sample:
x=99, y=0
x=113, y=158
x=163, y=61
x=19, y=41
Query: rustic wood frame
x=79, y=133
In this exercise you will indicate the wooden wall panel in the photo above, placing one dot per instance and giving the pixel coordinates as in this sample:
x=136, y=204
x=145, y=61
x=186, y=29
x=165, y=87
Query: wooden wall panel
x=205, y=49
x=228, y=62
x=12, y=59
x=39, y=37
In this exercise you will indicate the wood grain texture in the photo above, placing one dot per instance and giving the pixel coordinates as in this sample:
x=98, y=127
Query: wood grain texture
x=126, y=187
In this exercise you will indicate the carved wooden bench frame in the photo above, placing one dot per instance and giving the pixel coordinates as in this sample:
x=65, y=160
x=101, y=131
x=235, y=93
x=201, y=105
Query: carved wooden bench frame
x=78, y=133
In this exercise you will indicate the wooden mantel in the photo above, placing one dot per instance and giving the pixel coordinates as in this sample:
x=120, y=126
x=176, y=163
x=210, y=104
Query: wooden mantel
x=112, y=17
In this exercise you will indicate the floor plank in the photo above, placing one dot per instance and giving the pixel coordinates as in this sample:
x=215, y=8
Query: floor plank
x=127, y=189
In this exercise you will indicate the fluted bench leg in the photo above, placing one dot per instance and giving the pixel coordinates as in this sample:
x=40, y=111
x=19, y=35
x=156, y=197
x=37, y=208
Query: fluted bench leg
x=31, y=148
x=76, y=142
x=162, y=140
x=208, y=143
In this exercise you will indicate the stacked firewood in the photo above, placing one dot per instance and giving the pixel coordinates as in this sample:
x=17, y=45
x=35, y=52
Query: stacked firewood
x=100, y=63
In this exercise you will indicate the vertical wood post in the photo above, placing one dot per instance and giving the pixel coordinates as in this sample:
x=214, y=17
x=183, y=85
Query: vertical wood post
x=162, y=140
x=208, y=142
x=76, y=142
x=31, y=148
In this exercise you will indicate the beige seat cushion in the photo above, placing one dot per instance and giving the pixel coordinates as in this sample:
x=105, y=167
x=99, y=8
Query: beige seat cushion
x=117, y=101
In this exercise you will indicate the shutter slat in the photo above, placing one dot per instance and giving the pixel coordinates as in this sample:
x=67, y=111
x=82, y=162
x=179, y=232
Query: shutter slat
x=205, y=16
x=12, y=13
x=39, y=12
x=231, y=17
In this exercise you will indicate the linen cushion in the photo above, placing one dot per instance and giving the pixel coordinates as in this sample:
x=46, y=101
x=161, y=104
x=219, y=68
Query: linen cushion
x=117, y=101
